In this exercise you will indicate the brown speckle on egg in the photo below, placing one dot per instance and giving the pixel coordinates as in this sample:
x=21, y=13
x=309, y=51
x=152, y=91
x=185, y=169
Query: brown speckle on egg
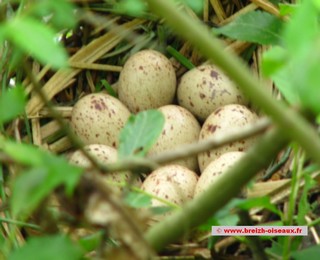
x=98, y=118
x=174, y=183
x=203, y=89
x=104, y=154
x=222, y=120
x=147, y=81
x=180, y=128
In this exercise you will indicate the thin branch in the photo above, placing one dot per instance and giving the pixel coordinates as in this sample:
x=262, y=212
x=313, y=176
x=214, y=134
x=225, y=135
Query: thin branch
x=227, y=186
x=153, y=162
x=199, y=35
x=188, y=150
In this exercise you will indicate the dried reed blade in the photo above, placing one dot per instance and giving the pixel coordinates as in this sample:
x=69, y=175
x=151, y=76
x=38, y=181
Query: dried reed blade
x=89, y=54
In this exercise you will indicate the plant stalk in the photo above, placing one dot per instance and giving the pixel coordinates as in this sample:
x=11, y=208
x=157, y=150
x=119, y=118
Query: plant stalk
x=219, y=194
x=201, y=38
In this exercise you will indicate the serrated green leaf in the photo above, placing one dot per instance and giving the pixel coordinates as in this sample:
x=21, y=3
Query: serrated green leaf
x=12, y=103
x=56, y=247
x=140, y=133
x=256, y=26
x=36, y=39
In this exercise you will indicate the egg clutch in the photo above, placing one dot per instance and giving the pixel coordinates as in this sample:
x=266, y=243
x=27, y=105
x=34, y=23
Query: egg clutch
x=203, y=103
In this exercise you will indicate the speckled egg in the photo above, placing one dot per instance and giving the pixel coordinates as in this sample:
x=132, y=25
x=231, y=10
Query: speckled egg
x=215, y=169
x=180, y=128
x=221, y=121
x=147, y=81
x=173, y=183
x=98, y=118
x=104, y=154
x=205, y=88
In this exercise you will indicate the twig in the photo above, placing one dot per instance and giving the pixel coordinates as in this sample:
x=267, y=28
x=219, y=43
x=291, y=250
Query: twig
x=296, y=126
x=277, y=166
x=188, y=150
x=219, y=193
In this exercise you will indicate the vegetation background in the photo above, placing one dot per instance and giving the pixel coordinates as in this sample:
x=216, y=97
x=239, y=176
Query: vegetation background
x=54, y=51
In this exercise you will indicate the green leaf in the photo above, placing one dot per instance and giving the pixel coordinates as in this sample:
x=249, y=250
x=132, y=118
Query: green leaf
x=131, y=7
x=275, y=249
x=312, y=252
x=36, y=39
x=287, y=9
x=29, y=190
x=60, y=13
x=179, y=57
x=56, y=247
x=260, y=202
x=224, y=215
x=23, y=153
x=273, y=60
x=138, y=200
x=302, y=29
x=91, y=242
x=140, y=133
x=284, y=85
x=108, y=87
x=307, y=81
x=196, y=6
x=12, y=103
x=275, y=64
x=304, y=207
x=299, y=78
x=33, y=185
x=256, y=26
x=159, y=210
